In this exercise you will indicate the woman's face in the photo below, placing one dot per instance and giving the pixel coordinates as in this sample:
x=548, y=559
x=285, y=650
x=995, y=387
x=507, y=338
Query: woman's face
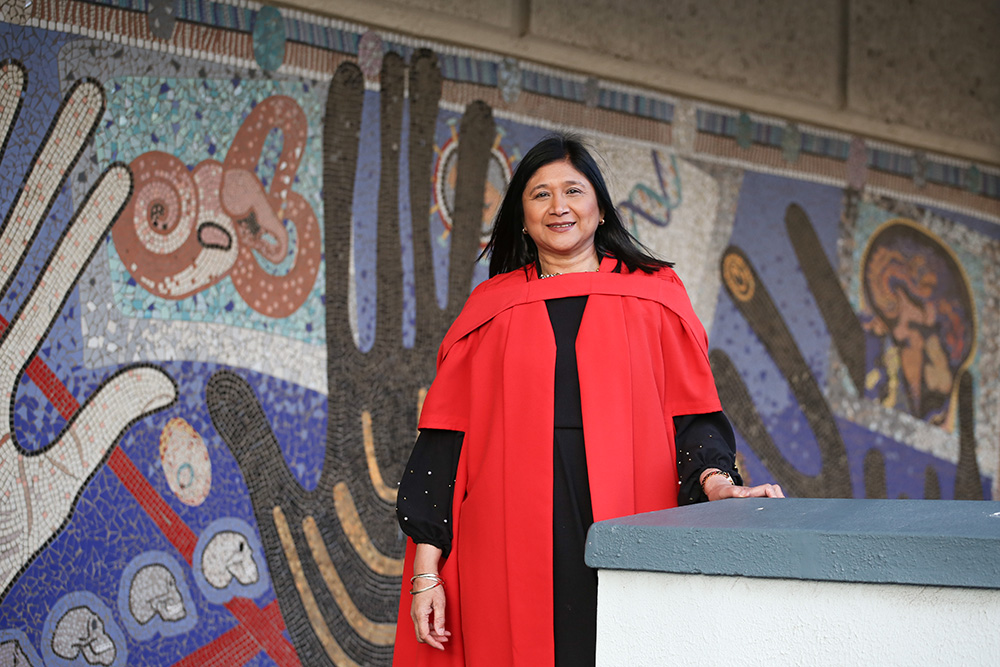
x=561, y=213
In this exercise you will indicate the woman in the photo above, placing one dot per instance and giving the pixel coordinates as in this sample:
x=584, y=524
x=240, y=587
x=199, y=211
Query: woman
x=574, y=386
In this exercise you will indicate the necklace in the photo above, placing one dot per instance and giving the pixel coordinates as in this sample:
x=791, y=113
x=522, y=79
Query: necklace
x=552, y=275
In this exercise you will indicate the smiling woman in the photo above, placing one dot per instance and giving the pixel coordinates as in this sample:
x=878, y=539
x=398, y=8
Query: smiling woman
x=561, y=215
x=565, y=159
x=574, y=386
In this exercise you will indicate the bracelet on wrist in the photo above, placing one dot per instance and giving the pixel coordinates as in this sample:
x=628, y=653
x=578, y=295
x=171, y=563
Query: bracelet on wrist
x=427, y=588
x=717, y=472
x=436, y=581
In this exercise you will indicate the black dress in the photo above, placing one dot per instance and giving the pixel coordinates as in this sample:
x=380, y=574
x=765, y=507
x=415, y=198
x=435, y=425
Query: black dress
x=424, y=509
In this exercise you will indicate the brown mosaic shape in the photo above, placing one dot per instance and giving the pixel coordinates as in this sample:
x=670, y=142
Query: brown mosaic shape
x=845, y=330
x=968, y=483
x=875, y=481
x=755, y=303
x=932, y=484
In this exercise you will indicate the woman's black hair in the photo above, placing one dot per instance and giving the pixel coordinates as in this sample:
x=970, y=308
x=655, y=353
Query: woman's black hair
x=510, y=249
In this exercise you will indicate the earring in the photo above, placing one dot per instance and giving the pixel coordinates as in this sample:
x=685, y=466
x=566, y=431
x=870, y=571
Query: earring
x=601, y=222
x=524, y=230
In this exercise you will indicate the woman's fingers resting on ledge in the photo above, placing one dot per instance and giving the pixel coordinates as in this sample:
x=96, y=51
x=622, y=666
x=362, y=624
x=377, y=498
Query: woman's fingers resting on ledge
x=761, y=491
x=767, y=491
x=718, y=485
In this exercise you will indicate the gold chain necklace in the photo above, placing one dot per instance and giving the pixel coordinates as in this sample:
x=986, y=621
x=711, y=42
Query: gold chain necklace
x=552, y=275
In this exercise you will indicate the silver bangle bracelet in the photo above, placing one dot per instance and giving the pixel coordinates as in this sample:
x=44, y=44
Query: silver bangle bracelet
x=427, y=588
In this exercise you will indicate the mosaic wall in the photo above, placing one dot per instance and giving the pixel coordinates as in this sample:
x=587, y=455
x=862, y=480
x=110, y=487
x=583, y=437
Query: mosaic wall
x=234, y=236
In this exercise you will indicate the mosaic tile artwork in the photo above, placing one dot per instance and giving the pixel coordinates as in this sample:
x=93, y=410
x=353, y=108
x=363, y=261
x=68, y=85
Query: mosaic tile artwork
x=234, y=236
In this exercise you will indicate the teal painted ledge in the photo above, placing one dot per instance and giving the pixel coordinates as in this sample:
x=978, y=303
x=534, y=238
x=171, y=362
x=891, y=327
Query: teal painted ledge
x=925, y=542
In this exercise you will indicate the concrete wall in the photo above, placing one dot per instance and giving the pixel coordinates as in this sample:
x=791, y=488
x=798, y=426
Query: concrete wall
x=645, y=618
x=233, y=237
x=800, y=582
x=919, y=72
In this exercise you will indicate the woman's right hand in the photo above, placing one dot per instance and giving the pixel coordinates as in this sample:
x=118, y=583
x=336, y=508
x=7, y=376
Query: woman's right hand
x=427, y=612
x=427, y=608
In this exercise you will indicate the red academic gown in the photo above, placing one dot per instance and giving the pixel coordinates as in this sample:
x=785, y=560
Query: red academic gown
x=642, y=359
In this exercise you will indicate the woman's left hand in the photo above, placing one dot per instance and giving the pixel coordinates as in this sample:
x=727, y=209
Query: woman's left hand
x=731, y=491
x=718, y=487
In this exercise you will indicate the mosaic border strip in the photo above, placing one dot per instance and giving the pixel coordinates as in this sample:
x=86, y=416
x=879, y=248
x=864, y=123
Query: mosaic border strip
x=767, y=134
x=235, y=15
x=879, y=156
x=461, y=66
x=468, y=67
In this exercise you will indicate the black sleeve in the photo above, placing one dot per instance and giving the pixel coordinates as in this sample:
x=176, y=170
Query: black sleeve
x=703, y=441
x=423, y=501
